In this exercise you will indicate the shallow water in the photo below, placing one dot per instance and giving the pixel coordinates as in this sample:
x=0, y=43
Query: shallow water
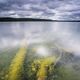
x=42, y=40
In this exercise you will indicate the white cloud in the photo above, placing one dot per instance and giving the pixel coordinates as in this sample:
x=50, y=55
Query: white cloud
x=26, y=6
x=3, y=1
x=43, y=9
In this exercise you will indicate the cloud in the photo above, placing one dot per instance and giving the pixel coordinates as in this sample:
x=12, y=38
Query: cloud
x=3, y=1
x=54, y=9
x=67, y=10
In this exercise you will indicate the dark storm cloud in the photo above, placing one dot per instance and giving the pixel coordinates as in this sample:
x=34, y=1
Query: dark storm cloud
x=54, y=9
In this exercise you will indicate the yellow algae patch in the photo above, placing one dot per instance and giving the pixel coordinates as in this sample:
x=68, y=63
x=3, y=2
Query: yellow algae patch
x=17, y=64
x=42, y=73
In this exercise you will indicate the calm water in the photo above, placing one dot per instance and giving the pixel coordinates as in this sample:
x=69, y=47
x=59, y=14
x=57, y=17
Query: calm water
x=40, y=37
x=64, y=33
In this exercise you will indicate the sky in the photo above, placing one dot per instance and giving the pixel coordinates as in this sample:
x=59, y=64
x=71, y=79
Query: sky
x=64, y=34
x=48, y=9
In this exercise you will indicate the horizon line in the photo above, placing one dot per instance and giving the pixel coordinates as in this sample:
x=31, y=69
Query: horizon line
x=11, y=19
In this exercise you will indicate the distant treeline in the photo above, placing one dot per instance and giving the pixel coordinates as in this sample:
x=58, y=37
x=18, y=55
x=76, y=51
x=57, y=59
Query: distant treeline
x=22, y=19
x=5, y=19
